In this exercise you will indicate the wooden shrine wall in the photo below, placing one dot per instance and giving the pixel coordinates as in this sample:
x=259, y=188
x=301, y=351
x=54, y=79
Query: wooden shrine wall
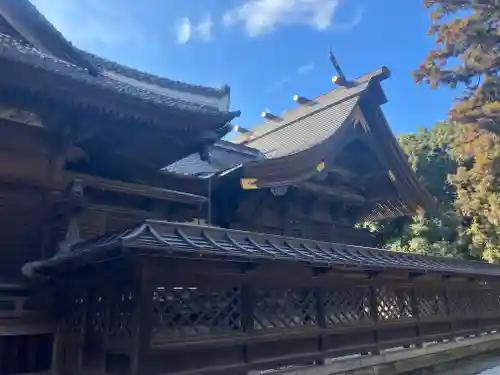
x=99, y=219
x=21, y=228
x=37, y=205
x=27, y=174
x=295, y=216
x=110, y=205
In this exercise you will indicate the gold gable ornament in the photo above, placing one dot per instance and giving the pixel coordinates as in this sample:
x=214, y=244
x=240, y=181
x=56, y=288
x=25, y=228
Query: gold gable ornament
x=249, y=183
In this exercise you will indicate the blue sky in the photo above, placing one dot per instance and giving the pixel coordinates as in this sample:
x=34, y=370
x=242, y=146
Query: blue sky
x=266, y=50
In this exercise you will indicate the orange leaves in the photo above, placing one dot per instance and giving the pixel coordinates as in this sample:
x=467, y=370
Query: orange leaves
x=492, y=108
x=433, y=29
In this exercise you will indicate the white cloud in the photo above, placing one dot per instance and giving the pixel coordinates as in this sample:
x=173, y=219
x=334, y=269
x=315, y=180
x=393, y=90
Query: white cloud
x=183, y=30
x=305, y=68
x=358, y=17
x=90, y=22
x=301, y=70
x=264, y=16
x=186, y=30
x=352, y=23
x=204, y=28
x=276, y=85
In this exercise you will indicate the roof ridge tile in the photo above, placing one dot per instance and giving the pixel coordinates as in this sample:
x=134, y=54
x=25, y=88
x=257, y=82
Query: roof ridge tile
x=190, y=240
x=269, y=126
x=155, y=79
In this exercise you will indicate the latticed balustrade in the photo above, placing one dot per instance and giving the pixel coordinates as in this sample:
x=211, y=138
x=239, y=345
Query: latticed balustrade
x=203, y=311
x=237, y=302
x=177, y=312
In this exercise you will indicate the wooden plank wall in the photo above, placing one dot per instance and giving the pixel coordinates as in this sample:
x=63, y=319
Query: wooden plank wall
x=26, y=177
x=21, y=227
x=291, y=216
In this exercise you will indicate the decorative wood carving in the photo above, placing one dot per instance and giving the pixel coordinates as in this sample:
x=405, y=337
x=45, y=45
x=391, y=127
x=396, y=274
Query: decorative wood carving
x=74, y=206
x=279, y=191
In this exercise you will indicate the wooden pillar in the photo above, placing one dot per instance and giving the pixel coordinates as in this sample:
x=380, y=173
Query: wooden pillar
x=374, y=315
x=56, y=126
x=247, y=306
x=321, y=319
x=143, y=318
x=446, y=293
x=247, y=314
x=476, y=303
x=416, y=313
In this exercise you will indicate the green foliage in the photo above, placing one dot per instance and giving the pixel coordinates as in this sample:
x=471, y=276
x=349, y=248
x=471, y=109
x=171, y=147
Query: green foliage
x=460, y=165
x=432, y=156
x=458, y=161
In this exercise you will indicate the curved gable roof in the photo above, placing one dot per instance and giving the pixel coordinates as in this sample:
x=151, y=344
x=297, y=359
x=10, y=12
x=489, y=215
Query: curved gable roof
x=24, y=18
x=301, y=127
x=37, y=42
x=303, y=142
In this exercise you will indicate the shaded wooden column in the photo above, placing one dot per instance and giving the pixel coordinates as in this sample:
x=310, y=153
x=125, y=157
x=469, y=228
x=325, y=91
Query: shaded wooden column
x=58, y=128
x=145, y=285
x=374, y=302
x=416, y=314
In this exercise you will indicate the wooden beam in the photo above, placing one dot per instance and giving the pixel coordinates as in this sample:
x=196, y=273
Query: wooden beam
x=330, y=191
x=135, y=189
x=345, y=174
x=351, y=176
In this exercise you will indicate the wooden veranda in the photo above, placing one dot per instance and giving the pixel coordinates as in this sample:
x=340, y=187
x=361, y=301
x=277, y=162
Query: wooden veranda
x=169, y=298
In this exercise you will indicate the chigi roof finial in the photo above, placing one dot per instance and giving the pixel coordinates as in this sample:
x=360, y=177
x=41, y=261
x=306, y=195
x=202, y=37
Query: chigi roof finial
x=340, y=78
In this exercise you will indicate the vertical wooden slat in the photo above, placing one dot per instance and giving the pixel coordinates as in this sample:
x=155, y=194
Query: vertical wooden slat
x=320, y=307
x=58, y=354
x=476, y=299
x=416, y=313
x=144, y=286
x=374, y=314
x=33, y=347
x=15, y=354
x=2, y=354
x=320, y=318
x=247, y=306
x=446, y=292
x=247, y=316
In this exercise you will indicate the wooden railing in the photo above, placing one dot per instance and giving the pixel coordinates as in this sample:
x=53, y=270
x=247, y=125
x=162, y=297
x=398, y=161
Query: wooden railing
x=213, y=318
x=169, y=298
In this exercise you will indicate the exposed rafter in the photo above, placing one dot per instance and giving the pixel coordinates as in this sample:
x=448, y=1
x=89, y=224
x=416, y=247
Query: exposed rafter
x=332, y=191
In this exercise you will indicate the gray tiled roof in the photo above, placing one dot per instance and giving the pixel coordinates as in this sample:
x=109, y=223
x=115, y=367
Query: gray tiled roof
x=306, y=131
x=185, y=240
x=32, y=25
x=19, y=52
x=304, y=126
x=298, y=130
x=223, y=155
x=152, y=79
